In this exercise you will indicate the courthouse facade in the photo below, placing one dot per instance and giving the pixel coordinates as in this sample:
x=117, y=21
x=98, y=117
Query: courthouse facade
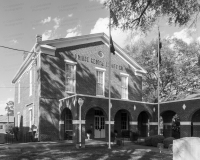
x=62, y=86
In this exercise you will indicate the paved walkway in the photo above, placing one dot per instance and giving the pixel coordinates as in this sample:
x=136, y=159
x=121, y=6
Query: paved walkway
x=38, y=145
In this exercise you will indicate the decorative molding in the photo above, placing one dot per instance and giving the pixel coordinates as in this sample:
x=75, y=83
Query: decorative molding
x=61, y=122
x=126, y=100
x=196, y=123
x=153, y=123
x=124, y=74
x=70, y=62
x=133, y=123
x=111, y=122
x=167, y=124
x=78, y=122
x=185, y=123
x=102, y=69
x=184, y=106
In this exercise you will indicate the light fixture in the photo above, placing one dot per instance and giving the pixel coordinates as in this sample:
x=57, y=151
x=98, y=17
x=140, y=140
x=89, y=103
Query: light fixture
x=184, y=106
x=134, y=108
x=154, y=109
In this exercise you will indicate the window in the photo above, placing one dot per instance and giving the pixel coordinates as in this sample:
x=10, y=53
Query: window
x=68, y=120
x=18, y=92
x=124, y=80
x=70, y=77
x=30, y=117
x=1, y=126
x=30, y=83
x=18, y=119
x=124, y=121
x=100, y=82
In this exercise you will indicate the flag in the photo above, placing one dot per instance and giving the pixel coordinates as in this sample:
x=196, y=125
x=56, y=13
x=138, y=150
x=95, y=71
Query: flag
x=159, y=47
x=113, y=16
x=112, y=49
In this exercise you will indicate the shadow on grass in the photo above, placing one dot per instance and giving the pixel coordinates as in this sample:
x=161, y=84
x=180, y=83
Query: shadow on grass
x=88, y=153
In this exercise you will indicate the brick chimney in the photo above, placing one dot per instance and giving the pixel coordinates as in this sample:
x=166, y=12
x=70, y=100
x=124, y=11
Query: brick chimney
x=38, y=38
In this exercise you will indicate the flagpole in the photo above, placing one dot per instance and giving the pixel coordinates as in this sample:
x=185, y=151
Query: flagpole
x=158, y=81
x=109, y=79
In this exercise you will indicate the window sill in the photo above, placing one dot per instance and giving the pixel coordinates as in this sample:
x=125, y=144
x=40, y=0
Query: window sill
x=70, y=92
x=100, y=95
x=124, y=98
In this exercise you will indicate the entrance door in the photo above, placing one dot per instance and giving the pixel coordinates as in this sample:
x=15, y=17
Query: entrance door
x=99, y=121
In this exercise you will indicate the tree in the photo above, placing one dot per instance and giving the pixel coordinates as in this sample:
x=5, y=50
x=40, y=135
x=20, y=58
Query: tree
x=179, y=71
x=10, y=108
x=143, y=14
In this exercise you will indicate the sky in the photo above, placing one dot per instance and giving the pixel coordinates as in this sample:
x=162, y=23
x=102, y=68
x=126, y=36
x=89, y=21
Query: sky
x=22, y=20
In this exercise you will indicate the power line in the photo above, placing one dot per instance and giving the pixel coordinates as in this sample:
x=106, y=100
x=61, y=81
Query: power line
x=15, y=49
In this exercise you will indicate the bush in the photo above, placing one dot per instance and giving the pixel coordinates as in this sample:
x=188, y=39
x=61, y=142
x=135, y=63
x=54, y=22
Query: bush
x=134, y=136
x=168, y=141
x=148, y=141
x=154, y=140
x=157, y=139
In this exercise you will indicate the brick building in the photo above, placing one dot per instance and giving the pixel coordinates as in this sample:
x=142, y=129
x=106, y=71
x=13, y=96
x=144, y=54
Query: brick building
x=58, y=77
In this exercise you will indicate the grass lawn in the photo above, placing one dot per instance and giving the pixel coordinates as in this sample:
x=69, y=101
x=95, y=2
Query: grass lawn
x=88, y=153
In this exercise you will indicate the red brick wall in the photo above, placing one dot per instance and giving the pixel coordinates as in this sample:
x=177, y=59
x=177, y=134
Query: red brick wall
x=185, y=115
x=86, y=72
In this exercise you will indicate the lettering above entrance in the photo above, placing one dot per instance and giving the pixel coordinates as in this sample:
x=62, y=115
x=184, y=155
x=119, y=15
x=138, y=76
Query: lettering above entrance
x=95, y=61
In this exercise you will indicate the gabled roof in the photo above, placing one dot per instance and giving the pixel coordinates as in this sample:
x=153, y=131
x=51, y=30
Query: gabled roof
x=72, y=41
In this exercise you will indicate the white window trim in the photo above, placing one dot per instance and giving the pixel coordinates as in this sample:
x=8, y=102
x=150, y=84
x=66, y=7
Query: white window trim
x=18, y=119
x=19, y=91
x=30, y=116
x=74, y=64
x=70, y=62
x=102, y=70
x=31, y=83
x=126, y=76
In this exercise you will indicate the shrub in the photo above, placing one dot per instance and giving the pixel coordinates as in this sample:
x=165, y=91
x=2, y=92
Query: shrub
x=157, y=139
x=148, y=141
x=168, y=141
x=154, y=140
x=134, y=136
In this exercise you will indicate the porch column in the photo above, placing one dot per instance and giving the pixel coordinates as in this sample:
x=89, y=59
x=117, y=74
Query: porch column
x=111, y=129
x=185, y=129
x=76, y=138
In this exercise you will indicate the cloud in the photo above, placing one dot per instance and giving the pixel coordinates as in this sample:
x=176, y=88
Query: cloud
x=185, y=35
x=73, y=32
x=122, y=38
x=100, y=1
x=57, y=23
x=47, y=35
x=14, y=41
x=70, y=15
x=46, y=20
x=198, y=39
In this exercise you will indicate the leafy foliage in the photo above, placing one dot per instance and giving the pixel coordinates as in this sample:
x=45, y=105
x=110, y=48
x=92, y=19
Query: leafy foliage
x=143, y=14
x=179, y=71
x=10, y=108
x=167, y=141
